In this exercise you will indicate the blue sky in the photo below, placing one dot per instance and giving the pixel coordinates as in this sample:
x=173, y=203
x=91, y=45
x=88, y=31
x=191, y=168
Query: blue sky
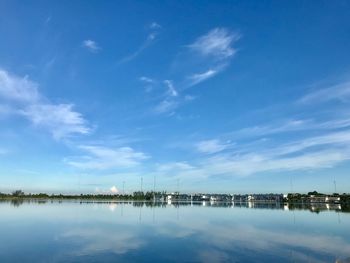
x=211, y=96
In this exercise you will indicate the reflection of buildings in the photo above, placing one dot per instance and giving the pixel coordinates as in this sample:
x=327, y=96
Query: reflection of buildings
x=313, y=198
x=314, y=207
x=258, y=198
x=324, y=199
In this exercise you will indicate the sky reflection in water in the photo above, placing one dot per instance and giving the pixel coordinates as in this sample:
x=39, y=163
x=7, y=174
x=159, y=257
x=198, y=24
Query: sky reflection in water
x=126, y=232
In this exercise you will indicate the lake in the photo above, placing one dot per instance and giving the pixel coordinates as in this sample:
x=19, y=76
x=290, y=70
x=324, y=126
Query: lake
x=74, y=231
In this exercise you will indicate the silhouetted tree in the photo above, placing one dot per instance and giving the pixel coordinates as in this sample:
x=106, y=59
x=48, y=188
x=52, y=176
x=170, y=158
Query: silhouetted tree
x=18, y=193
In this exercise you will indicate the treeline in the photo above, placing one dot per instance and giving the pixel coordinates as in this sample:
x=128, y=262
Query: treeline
x=19, y=194
x=315, y=196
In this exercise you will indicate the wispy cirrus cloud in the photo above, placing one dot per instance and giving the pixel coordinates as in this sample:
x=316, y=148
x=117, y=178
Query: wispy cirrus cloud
x=166, y=106
x=103, y=158
x=242, y=161
x=203, y=59
x=211, y=146
x=315, y=144
x=332, y=114
x=215, y=49
x=17, y=89
x=170, y=98
x=339, y=92
x=216, y=43
x=149, y=83
x=171, y=89
x=199, y=77
x=22, y=98
x=153, y=31
x=91, y=45
x=288, y=126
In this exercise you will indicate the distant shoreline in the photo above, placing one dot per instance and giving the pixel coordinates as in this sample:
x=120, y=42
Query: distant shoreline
x=291, y=198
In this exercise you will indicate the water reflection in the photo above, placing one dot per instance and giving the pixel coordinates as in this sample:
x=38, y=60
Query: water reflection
x=90, y=231
x=315, y=207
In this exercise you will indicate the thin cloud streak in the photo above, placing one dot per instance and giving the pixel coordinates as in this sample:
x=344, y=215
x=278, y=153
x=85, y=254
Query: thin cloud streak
x=328, y=148
x=211, y=146
x=171, y=89
x=200, y=77
x=166, y=106
x=339, y=92
x=104, y=158
x=151, y=37
x=214, y=50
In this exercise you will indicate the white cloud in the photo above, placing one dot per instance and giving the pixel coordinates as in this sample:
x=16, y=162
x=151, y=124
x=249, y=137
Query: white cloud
x=296, y=125
x=334, y=139
x=23, y=98
x=18, y=89
x=171, y=89
x=91, y=45
x=216, y=50
x=309, y=153
x=211, y=146
x=281, y=127
x=217, y=42
x=339, y=92
x=256, y=163
x=149, y=83
x=313, y=144
x=60, y=119
x=103, y=158
x=155, y=25
x=199, y=77
x=166, y=106
x=114, y=190
x=146, y=80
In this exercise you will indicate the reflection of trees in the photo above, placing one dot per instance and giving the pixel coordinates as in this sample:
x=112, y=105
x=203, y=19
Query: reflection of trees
x=138, y=204
x=17, y=202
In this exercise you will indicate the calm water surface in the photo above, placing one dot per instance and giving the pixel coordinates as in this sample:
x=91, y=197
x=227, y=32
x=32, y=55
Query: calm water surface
x=71, y=231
